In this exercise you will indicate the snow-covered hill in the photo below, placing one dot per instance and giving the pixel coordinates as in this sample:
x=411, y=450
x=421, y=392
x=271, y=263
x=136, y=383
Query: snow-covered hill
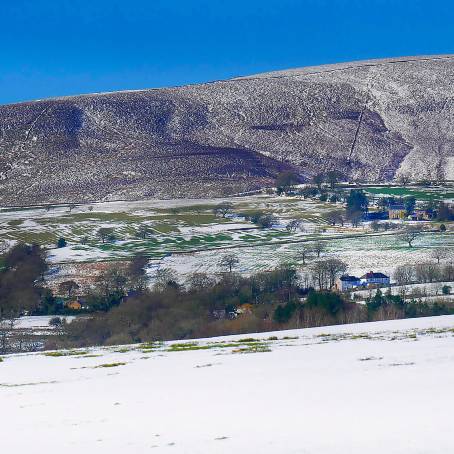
x=371, y=388
x=371, y=120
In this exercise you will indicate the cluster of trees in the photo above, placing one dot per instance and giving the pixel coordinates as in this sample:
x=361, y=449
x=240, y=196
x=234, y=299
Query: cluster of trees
x=286, y=181
x=21, y=291
x=426, y=272
x=262, y=219
x=171, y=310
x=408, y=202
x=387, y=306
x=21, y=275
x=208, y=306
x=445, y=212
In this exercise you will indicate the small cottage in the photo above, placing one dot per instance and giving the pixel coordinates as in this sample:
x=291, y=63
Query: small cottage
x=347, y=282
x=74, y=305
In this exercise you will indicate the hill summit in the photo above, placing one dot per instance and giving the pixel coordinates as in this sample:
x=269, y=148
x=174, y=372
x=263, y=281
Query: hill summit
x=372, y=120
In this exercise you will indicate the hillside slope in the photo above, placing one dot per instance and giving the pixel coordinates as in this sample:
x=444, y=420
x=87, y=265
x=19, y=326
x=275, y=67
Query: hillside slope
x=373, y=388
x=372, y=120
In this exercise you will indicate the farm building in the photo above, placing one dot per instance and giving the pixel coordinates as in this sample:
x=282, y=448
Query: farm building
x=347, y=282
x=74, y=305
x=397, y=211
x=424, y=215
x=372, y=278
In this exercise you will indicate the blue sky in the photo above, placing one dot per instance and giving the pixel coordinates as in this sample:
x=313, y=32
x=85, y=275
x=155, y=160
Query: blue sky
x=63, y=47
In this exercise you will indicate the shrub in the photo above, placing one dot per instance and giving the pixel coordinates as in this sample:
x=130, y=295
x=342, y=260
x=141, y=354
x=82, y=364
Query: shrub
x=61, y=242
x=55, y=322
x=329, y=301
x=283, y=313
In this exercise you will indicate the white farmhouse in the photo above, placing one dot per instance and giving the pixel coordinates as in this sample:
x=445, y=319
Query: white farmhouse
x=372, y=278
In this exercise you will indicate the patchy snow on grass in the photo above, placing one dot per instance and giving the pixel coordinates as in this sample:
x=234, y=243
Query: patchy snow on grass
x=373, y=388
x=39, y=321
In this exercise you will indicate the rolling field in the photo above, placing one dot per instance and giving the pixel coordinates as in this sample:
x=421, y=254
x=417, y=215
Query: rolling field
x=383, y=387
x=186, y=236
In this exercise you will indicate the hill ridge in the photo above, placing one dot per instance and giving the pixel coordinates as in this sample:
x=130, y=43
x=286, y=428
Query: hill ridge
x=372, y=120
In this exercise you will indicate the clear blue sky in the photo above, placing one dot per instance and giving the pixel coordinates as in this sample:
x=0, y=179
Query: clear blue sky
x=63, y=47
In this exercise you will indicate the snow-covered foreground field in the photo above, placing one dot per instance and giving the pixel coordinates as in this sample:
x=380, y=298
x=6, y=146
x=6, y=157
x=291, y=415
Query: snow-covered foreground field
x=370, y=388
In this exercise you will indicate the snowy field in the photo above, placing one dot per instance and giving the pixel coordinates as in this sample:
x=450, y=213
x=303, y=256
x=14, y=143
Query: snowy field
x=39, y=321
x=371, y=388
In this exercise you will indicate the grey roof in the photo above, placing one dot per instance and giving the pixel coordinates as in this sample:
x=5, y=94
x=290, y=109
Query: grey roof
x=372, y=275
x=348, y=278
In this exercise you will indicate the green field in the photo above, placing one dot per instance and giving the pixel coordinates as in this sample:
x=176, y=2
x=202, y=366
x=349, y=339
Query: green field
x=421, y=194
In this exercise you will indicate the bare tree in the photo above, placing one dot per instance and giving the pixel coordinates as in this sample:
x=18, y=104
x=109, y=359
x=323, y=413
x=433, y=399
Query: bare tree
x=355, y=217
x=304, y=252
x=164, y=278
x=326, y=271
x=333, y=176
x=3, y=247
x=336, y=217
x=404, y=274
x=404, y=179
x=223, y=209
x=137, y=271
x=199, y=281
x=410, y=234
x=229, y=261
x=68, y=287
x=427, y=272
x=105, y=234
x=318, y=180
x=318, y=247
x=439, y=254
x=335, y=267
x=294, y=225
x=144, y=231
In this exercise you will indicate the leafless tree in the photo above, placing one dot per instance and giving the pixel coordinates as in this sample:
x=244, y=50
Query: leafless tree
x=333, y=176
x=427, y=272
x=165, y=277
x=326, y=271
x=144, y=231
x=404, y=179
x=336, y=217
x=304, y=252
x=318, y=180
x=223, y=209
x=410, y=234
x=229, y=261
x=355, y=217
x=68, y=287
x=294, y=225
x=439, y=254
x=105, y=234
x=318, y=247
x=3, y=247
x=404, y=274
x=199, y=281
